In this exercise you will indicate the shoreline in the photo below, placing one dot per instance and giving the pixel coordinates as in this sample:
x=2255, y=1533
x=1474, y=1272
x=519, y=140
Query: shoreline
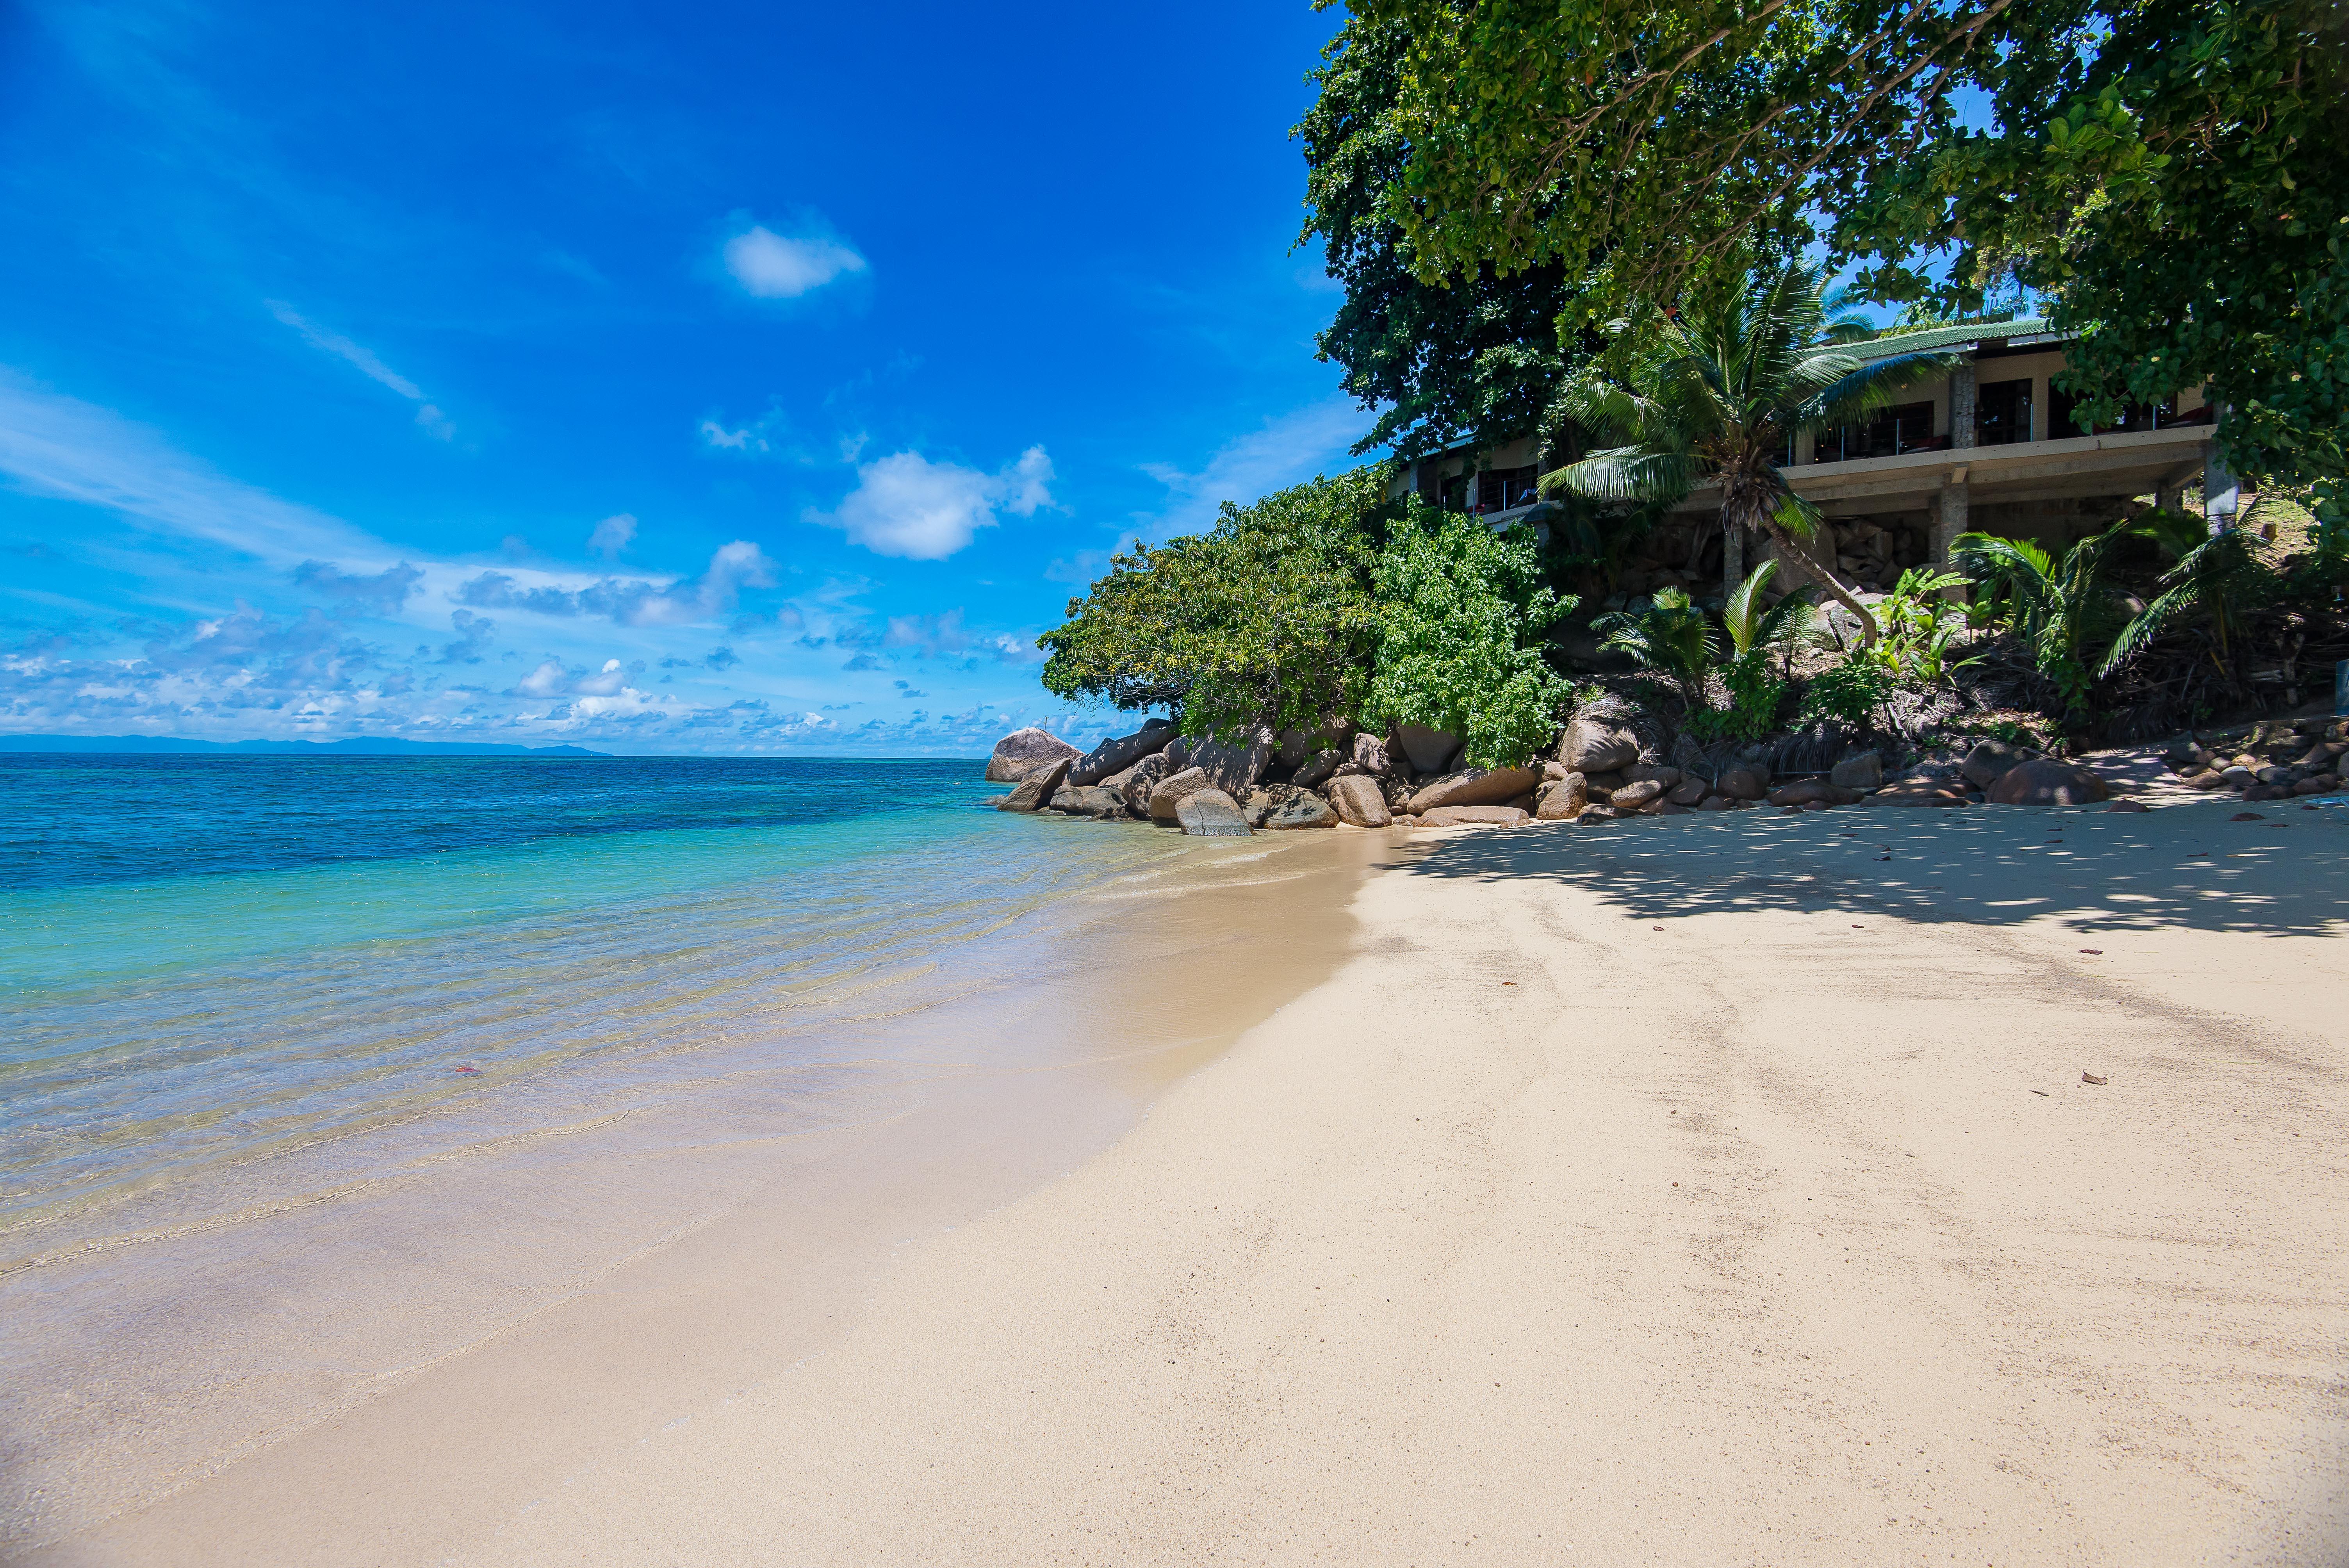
x=1723, y=1190
x=601, y=1235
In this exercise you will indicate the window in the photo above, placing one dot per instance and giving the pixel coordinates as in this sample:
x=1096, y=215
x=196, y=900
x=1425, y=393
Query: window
x=1500, y=489
x=1906, y=428
x=2002, y=413
x=2062, y=426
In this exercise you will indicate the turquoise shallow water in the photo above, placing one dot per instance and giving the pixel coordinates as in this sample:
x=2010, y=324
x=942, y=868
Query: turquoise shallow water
x=209, y=964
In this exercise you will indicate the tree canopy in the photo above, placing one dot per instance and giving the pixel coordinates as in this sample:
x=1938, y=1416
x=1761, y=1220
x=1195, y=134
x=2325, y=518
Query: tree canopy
x=1469, y=360
x=1266, y=618
x=2171, y=174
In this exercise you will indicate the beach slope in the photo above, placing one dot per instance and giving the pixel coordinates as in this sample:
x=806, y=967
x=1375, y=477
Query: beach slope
x=1727, y=1191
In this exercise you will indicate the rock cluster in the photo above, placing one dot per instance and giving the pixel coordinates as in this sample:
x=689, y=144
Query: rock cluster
x=2267, y=761
x=1338, y=776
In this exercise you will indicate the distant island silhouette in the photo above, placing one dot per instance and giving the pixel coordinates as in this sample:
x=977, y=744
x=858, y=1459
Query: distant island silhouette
x=354, y=746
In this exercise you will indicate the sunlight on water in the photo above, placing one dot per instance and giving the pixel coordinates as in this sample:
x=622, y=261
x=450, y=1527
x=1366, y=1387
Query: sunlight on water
x=209, y=960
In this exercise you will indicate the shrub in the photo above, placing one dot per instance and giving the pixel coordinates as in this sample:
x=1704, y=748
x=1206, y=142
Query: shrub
x=1459, y=609
x=1849, y=693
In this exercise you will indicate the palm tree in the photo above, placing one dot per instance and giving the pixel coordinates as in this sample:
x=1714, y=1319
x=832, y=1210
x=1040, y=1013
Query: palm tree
x=1713, y=393
x=2219, y=580
x=1672, y=635
x=2062, y=608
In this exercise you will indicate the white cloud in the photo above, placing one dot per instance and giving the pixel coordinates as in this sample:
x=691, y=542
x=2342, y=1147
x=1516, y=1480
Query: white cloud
x=1288, y=450
x=613, y=534
x=629, y=601
x=771, y=266
x=906, y=505
x=429, y=418
x=58, y=446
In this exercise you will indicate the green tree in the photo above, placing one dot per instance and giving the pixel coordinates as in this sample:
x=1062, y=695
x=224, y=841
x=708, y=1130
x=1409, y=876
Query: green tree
x=2219, y=583
x=1471, y=361
x=2173, y=175
x=1461, y=610
x=1265, y=619
x=1635, y=144
x=1711, y=394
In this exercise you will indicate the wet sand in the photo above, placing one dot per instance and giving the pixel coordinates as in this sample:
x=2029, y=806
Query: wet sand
x=1719, y=1190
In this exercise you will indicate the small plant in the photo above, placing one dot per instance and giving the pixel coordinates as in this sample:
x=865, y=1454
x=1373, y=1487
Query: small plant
x=1918, y=625
x=2007, y=730
x=1671, y=635
x=1850, y=693
x=1756, y=691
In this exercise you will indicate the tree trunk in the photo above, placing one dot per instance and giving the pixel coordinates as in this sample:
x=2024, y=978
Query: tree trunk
x=1868, y=632
x=1733, y=553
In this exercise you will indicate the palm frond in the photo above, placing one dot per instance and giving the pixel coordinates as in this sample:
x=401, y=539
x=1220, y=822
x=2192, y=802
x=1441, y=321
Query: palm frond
x=1628, y=474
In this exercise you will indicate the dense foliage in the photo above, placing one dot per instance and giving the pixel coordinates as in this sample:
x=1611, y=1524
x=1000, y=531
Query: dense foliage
x=2174, y=176
x=1267, y=618
x=1473, y=359
x=1633, y=143
x=1461, y=613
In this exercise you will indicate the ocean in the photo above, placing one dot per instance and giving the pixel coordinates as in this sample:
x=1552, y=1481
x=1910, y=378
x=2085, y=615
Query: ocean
x=315, y=1070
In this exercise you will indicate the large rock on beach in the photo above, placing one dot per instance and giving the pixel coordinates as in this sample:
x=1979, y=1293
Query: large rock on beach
x=1209, y=813
x=1865, y=771
x=1636, y=795
x=1174, y=788
x=1024, y=751
x=1813, y=792
x=1427, y=751
x=1115, y=756
x=1743, y=784
x=1990, y=761
x=1371, y=754
x=1302, y=811
x=1474, y=787
x=1562, y=799
x=1687, y=792
x=1358, y=799
x=1139, y=782
x=1317, y=768
x=1232, y=766
x=1594, y=746
x=2044, y=781
x=1459, y=816
x=1032, y=792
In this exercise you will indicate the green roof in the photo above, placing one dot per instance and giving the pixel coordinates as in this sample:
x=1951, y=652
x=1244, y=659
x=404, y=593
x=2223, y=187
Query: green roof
x=1967, y=331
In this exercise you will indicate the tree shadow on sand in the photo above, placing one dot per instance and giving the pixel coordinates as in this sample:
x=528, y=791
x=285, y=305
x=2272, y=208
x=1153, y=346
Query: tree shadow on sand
x=2186, y=866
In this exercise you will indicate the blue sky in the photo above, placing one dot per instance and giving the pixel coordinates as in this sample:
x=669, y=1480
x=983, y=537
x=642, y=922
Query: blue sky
x=664, y=378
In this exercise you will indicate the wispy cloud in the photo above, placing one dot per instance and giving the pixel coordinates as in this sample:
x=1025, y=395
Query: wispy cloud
x=1285, y=451
x=428, y=417
x=612, y=535
x=907, y=506
x=57, y=445
x=778, y=266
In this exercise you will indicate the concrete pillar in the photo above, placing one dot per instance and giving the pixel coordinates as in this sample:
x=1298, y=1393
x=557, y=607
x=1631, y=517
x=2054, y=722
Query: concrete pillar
x=2222, y=491
x=1962, y=406
x=1956, y=495
x=1732, y=556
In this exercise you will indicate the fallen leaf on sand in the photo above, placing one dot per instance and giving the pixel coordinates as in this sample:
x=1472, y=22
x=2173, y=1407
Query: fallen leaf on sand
x=2090, y=1077
x=2096, y=952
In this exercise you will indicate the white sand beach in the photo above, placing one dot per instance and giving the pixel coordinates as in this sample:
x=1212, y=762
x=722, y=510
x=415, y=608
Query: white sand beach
x=1710, y=1191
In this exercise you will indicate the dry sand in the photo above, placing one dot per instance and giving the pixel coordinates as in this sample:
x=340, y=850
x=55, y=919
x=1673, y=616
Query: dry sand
x=1715, y=1190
